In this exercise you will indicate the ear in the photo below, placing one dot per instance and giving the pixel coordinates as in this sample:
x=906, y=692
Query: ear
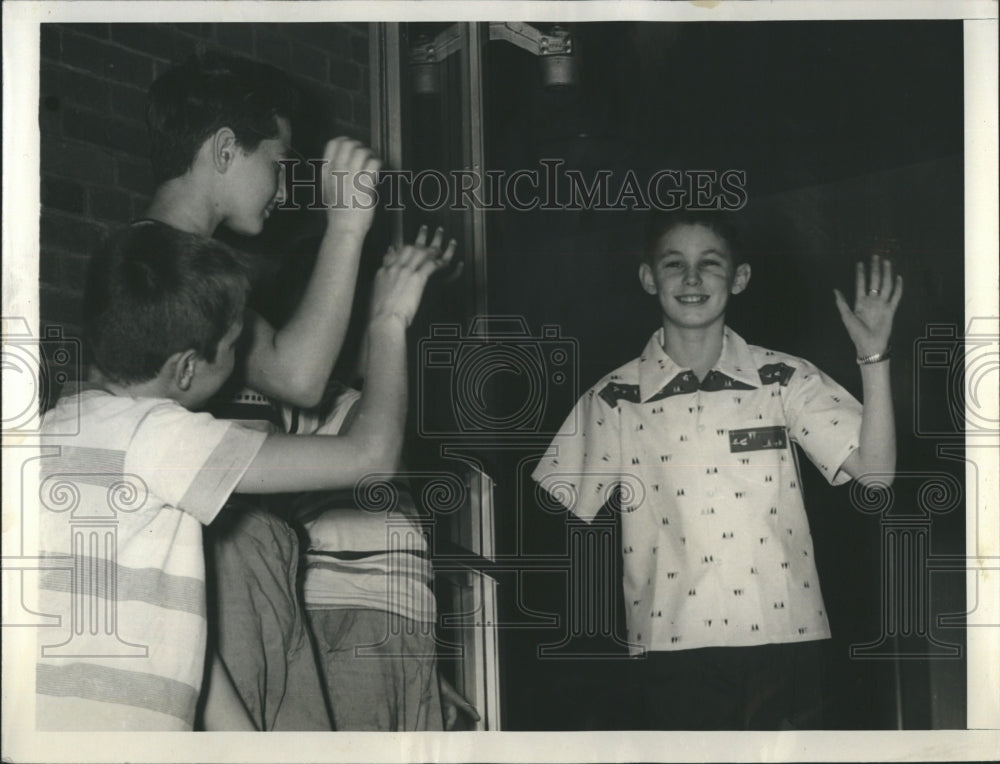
x=223, y=148
x=646, y=278
x=182, y=369
x=740, y=279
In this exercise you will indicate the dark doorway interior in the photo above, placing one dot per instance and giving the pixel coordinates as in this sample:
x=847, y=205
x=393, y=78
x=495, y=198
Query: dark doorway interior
x=851, y=137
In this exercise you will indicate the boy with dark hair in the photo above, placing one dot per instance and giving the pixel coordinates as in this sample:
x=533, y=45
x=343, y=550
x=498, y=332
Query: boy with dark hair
x=220, y=128
x=164, y=316
x=719, y=581
x=206, y=93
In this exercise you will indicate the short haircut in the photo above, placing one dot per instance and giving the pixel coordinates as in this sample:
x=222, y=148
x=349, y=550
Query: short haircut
x=725, y=224
x=153, y=291
x=207, y=92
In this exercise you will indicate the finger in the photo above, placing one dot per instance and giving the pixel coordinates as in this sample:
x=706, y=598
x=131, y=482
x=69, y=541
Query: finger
x=450, y=718
x=359, y=157
x=438, y=238
x=875, y=277
x=373, y=165
x=886, y=278
x=448, y=254
x=390, y=256
x=842, y=306
x=331, y=149
x=429, y=265
x=859, y=282
x=421, y=239
x=468, y=709
x=405, y=256
x=339, y=149
x=456, y=273
x=897, y=293
x=457, y=702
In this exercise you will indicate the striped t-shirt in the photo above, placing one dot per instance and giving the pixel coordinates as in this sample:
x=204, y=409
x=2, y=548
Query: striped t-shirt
x=122, y=506
x=362, y=557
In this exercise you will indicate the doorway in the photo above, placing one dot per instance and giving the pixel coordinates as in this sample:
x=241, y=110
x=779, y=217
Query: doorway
x=848, y=138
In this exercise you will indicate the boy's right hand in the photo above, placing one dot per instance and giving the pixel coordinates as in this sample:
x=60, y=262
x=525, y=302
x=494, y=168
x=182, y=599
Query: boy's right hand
x=350, y=175
x=400, y=282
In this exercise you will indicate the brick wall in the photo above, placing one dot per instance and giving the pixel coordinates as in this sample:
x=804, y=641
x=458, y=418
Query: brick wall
x=95, y=170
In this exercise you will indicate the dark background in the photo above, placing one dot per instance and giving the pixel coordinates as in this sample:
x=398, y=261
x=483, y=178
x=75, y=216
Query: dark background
x=851, y=136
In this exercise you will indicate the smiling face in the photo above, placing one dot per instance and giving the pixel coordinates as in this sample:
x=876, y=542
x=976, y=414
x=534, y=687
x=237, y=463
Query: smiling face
x=692, y=272
x=255, y=182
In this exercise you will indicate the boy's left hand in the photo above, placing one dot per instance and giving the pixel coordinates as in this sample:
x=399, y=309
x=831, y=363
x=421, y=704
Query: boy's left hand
x=454, y=706
x=870, y=323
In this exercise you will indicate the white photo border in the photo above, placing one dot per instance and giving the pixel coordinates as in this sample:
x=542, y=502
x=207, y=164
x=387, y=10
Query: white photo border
x=21, y=208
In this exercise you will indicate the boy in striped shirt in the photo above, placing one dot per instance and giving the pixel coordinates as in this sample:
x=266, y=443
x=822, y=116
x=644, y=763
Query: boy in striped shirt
x=123, y=502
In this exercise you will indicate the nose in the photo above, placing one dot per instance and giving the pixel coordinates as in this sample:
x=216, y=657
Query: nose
x=692, y=275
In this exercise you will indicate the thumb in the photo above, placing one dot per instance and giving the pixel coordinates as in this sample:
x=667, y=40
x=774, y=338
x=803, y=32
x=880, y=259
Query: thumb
x=842, y=306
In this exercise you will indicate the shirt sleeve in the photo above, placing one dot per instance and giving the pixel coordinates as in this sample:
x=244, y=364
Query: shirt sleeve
x=824, y=419
x=191, y=461
x=583, y=463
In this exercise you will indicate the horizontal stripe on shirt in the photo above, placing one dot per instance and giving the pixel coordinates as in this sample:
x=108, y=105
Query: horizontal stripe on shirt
x=102, y=684
x=106, y=579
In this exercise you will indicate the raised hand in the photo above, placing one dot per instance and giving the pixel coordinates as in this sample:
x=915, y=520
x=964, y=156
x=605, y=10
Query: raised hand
x=350, y=174
x=870, y=323
x=400, y=282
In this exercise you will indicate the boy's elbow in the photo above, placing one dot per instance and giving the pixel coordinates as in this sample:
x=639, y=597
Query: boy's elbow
x=301, y=392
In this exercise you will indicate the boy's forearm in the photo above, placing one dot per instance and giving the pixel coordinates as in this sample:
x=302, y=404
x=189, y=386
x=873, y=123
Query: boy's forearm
x=382, y=409
x=876, y=454
x=306, y=348
x=371, y=444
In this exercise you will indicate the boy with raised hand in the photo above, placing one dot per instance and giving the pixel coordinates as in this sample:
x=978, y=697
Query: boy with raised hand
x=219, y=130
x=164, y=315
x=721, y=591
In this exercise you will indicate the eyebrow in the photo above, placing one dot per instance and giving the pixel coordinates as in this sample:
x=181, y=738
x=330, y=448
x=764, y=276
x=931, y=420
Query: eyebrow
x=712, y=251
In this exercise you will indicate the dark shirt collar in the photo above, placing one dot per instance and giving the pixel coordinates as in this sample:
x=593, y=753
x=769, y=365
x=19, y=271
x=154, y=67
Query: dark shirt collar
x=657, y=369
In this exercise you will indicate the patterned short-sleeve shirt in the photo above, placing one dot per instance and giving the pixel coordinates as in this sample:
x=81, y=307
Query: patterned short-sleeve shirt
x=716, y=544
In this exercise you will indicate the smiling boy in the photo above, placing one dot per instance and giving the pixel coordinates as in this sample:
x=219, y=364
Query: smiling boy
x=719, y=580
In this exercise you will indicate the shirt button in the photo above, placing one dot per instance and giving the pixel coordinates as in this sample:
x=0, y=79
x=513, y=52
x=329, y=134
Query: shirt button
x=711, y=492
x=701, y=428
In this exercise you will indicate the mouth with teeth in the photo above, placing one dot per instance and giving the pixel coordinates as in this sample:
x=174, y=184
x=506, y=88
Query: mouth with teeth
x=692, y=299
